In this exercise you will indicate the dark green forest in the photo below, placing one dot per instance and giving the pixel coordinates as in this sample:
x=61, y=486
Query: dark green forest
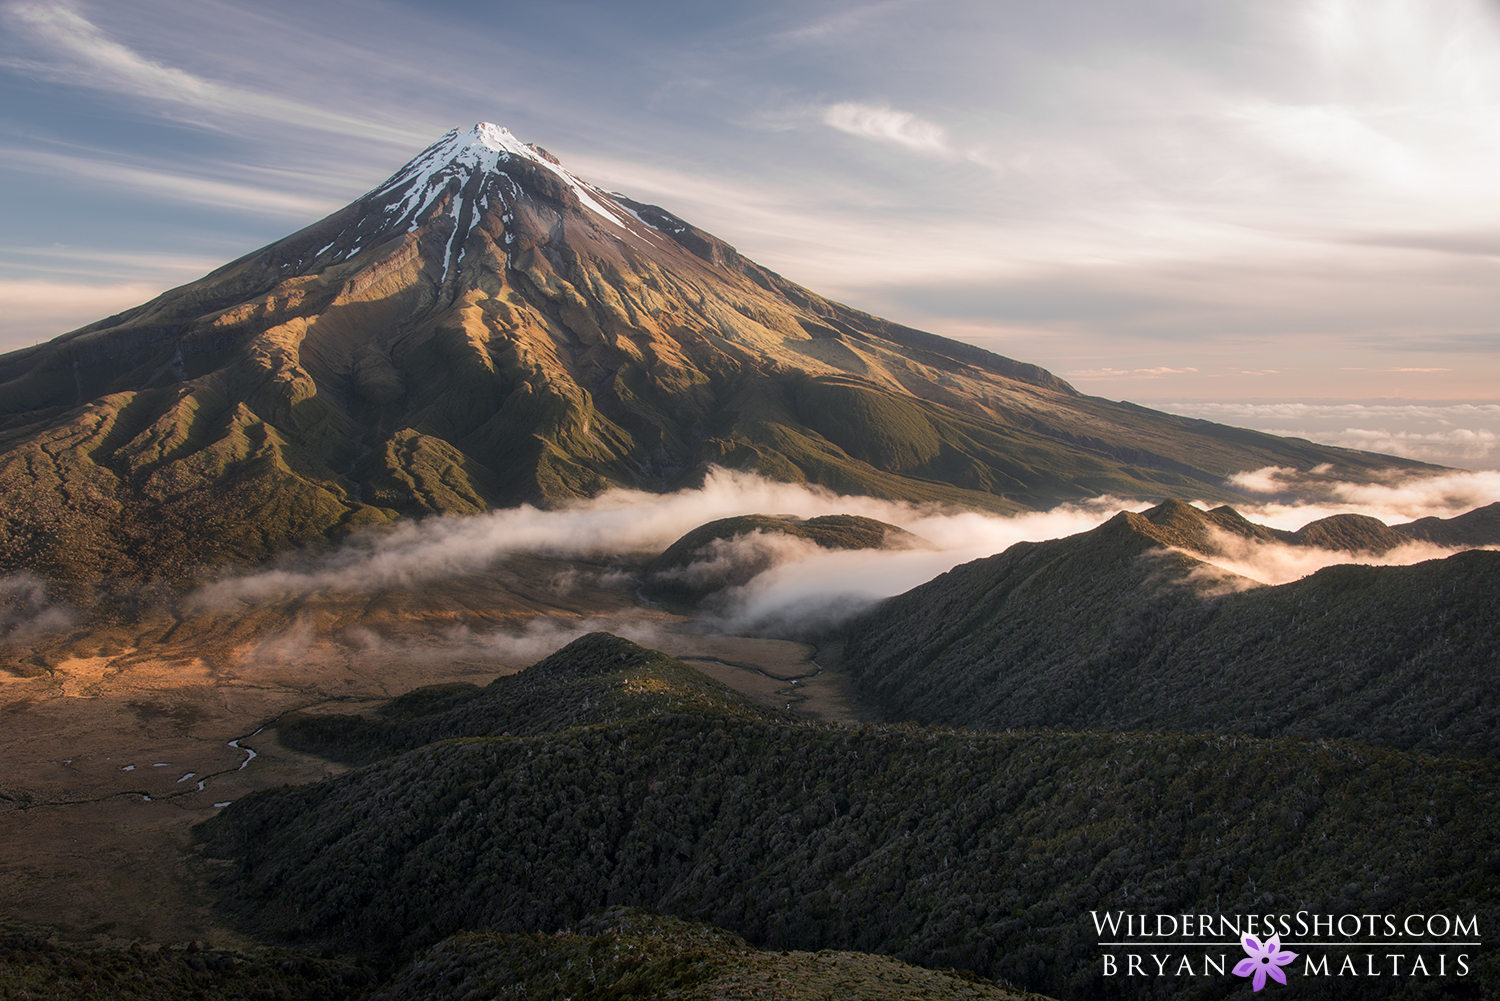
x=1108, y=630
x=614, y=955
x=590, y=681
x=982, y=851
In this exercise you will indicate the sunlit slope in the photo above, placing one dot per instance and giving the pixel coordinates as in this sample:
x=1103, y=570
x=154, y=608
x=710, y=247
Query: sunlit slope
x=485, y=329
x=983, y=851
x=1127, y=627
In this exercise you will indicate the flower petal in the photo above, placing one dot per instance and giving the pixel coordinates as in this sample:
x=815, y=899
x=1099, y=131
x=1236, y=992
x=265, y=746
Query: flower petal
x=1273, y=944
x=1274, y=972
x=1282, y=958
x=1245, y=967
x=1260, y=977
x=1252, y=946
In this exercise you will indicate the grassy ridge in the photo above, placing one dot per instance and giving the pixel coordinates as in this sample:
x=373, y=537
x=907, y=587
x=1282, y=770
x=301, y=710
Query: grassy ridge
x=982, y=851
x=35, y=967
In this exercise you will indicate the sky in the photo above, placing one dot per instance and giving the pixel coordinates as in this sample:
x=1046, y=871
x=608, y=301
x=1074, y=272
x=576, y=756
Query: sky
x=1189, y=205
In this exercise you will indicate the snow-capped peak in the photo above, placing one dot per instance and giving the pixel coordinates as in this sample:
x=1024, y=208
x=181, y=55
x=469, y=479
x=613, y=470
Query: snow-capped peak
x=483, y=149
x=465, y=176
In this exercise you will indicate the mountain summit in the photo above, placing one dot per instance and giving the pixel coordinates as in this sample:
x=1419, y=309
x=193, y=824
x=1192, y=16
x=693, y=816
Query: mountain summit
x=486, y=328
x=456, y=184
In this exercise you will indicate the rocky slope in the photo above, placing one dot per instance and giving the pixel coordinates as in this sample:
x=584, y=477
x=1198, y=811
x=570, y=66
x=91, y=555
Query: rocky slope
x=485, y=328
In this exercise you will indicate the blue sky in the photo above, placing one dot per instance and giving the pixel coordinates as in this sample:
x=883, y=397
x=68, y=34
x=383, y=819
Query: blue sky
x=1157, y=199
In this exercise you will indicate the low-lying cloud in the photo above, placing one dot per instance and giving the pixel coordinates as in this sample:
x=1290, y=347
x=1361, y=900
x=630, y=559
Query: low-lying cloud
x=1295, y=498
x=804, y=588
x=1280, y=563
x=297, y=644
x=622, y=522
x=25, y=611
x=1466, y=435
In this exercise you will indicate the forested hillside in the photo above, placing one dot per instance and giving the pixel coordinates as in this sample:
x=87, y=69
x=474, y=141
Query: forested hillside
x=983, y=851
x=595, y=679
x=1112, y=630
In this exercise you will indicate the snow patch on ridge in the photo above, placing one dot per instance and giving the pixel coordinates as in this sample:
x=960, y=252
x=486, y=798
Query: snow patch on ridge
x=465, y=172
x=484, y=149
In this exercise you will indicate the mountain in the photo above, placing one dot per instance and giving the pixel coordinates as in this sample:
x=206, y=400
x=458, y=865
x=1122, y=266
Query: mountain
x=1128, y=627
x=1480, y=527
x=981, y=851
x=486, y=328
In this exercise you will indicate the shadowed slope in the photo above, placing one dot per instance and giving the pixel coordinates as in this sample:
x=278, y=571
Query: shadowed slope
x=1123, y=627
x=596, y=678
x=985, y=851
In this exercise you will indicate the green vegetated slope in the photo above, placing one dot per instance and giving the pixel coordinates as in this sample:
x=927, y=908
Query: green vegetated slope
x=1361, y=533
x=596, y=678
x=1480, y=527
x=732, y=551
x=614, y=955
x=621, y=954
x=372, y=366
x=34, y=966
x=1111, y=630
x=981, y=851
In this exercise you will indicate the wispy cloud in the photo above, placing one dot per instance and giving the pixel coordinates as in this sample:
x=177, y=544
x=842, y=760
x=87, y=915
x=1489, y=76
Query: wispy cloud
x=630, y=521
x=1280, y=563
x=96, y=266
x=841, y=24
x=81, y=54
x=175, y=186
x=888, y=125
x=1397, y=500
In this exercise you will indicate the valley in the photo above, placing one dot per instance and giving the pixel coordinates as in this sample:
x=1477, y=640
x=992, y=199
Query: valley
x=113, y=753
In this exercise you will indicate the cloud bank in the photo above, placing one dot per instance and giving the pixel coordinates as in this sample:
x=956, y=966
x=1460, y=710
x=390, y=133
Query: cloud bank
x=806, y=588
x=1466, y=435
x=628, y=522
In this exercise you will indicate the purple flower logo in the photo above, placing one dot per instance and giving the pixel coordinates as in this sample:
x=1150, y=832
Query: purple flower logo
x=1265, y=960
